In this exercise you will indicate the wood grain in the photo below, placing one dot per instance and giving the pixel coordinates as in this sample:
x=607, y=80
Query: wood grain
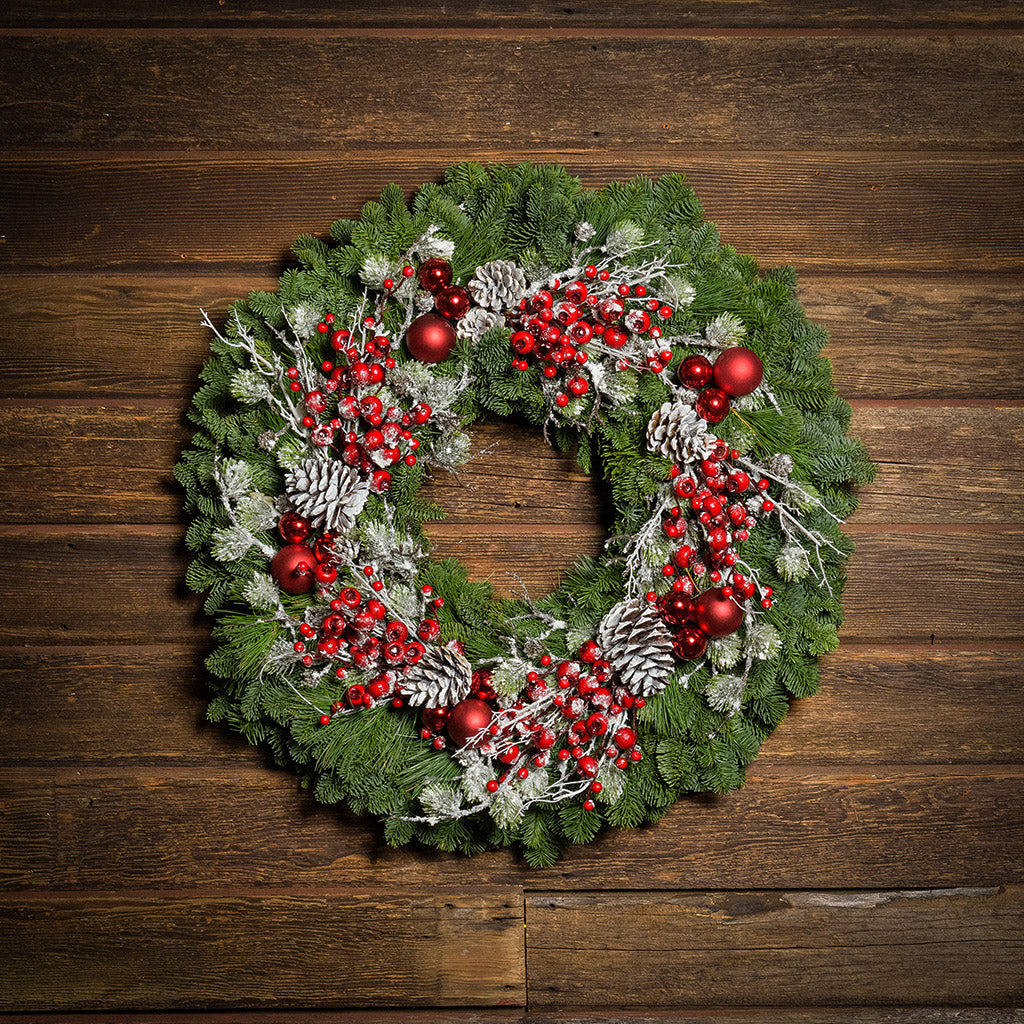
x=894, y=336
x=550, y=16
x=125, y=951
x=97, y=462
x=145, y=706
x=872, y=212
x=106, y=584
x=801, y=826
x=765, y=93
x=955, y=946
x=741, y=1015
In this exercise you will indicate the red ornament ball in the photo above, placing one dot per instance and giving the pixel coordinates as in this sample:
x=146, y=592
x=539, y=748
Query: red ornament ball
x=430, y=338
x=434, y=719
x=435, y=274
x=292, y=569
x=294, y=529
x=738, y=371
x=676, y=608
x=717, y=614
x=466, y=719
x=695, y=372
x=713, y=405
x=452, y=302
x=690, y=643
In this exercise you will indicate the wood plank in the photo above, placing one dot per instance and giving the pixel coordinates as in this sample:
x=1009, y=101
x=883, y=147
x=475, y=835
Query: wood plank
x=874, y=212
x=123, y=584
x=953, y=946
x=894, y=336
x=92, y=462
x=658, y=14
x=28, y=828
x=60, y=707
x=741, y=1015
x=847, y=92
x=810, y=826
x=335, y=947
x=932, y=337
x=910, y=706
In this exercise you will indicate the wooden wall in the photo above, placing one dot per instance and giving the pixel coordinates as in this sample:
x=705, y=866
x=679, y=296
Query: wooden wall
x=158, y=158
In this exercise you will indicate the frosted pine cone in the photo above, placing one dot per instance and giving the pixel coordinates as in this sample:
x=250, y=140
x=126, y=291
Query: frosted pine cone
x=440, y=678
x=476, y=322
x=498, y=285
x=328, y=494
x=678, y=433
x=638, y=645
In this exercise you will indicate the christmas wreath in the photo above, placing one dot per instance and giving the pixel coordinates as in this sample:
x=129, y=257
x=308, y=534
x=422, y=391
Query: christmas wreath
x=617, y=323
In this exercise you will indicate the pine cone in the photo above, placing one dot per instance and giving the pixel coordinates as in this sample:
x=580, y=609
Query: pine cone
x=329, y=494
x=440, y=678
x=678, y=433
x=476, y=322
x=638, y=645
x=498, y=285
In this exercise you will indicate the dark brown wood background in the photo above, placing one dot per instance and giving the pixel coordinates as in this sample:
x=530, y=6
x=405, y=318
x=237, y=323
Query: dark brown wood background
x=158, y=158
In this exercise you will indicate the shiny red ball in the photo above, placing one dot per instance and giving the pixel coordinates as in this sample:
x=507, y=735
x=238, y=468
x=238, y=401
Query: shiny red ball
x=738, y=371
x=434, y=719
x=695, y=372
x=467, y=718
x=676, y=608
x=430, y=338
x=716, y=614
x=435, y=274
x=452, y=302
x=713, y=405
x=689, y=643
x=294, y=529
x=292, y=569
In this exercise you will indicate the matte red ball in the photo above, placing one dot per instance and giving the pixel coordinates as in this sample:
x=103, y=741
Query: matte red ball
x=467, y=718
x=293, y=528
x=452, y=302
x=690, y=643
x=717, y=614
x=695, y=372
x=676, y=608
x=738, y=371
x=430, y=338
x=435, y=274
x=713, y=405
x=292, y=569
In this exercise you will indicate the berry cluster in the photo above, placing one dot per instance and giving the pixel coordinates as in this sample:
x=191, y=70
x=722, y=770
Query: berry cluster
x=555, y=328
x=722, y=505
x=572, y=712
x=339, y=412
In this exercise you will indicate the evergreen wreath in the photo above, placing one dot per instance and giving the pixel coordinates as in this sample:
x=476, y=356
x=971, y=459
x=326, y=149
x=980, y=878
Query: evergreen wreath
x=617, y=322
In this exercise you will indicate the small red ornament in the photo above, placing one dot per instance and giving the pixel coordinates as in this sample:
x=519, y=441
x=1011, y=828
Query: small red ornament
x=676, y=608
x=292, y=569
x=717, y=614
x=738, y=371
x=690, y=643
x=435, y=274
x=434, y=719
x=713, y=405
x=466, y=719
x=695, y=372
x=452, y=302
x=430, y=338
x=294, y=529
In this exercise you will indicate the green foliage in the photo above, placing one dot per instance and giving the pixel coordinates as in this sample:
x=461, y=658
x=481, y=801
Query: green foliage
x=375, y=760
